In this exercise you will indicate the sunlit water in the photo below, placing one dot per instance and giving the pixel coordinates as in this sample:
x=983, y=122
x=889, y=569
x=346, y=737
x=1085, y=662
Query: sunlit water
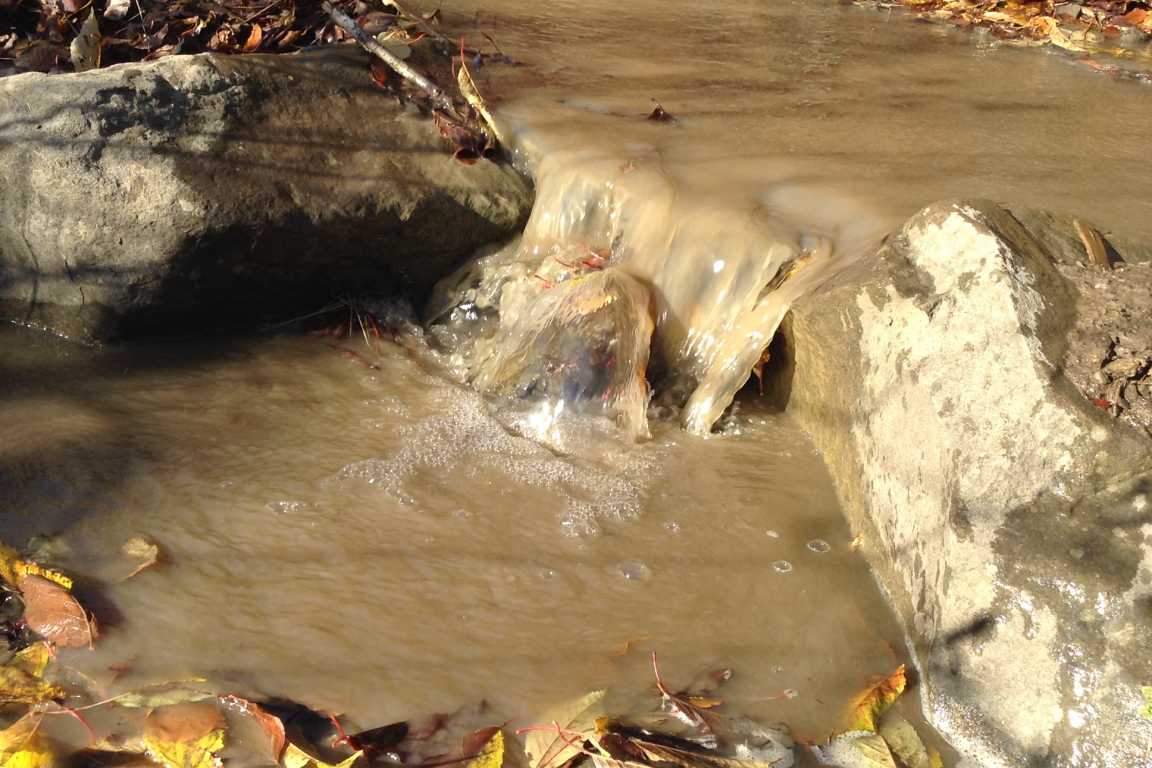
x=377, y=542
x=804, y=131
x=385, y=543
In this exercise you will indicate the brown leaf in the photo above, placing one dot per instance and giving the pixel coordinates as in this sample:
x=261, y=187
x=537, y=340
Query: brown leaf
x=223, y=40
x=381, y=72
x=255, y=37
x=376, y=740
x=468, y=145
x=53, y=613
x=183, y=722
x=272, y=726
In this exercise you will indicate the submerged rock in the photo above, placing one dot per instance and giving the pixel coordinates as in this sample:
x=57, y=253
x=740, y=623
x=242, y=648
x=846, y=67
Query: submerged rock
x=1009, y=516
x=580, y=344
x=211, y=190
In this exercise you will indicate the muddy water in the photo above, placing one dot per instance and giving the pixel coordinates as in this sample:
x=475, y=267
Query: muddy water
x=803, y=132
x=842, y=118
x=379, y=542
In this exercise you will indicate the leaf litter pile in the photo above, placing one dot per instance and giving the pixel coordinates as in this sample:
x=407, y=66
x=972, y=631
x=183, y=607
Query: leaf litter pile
x=1111, y=36
x=192, y=723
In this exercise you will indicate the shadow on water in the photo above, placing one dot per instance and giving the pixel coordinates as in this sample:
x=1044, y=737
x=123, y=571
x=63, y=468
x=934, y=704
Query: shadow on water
x=63, y=451
x=273, y=211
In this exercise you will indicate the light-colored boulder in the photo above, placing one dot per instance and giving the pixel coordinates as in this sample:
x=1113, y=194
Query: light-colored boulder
x=1008, y=516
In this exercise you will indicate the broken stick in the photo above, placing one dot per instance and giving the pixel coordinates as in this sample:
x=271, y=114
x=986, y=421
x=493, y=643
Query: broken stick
x=1093, y=244
x=440, y=100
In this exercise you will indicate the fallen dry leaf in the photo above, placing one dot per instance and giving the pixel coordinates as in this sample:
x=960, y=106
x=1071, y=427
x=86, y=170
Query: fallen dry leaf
x=85, y=49
x=255, y=37
x=489, y=753
x=185, y=735
x=21, y=745
x=272, y=726
x=117, y=9
x=867, y=708
x=544, y=745
x=21, y=679
x=166, y=694
x=857, y=749
x=294, y=757
x=13, y=568
x=906, y=743
x=140, y=549
x=53, y=613
x=472, y=95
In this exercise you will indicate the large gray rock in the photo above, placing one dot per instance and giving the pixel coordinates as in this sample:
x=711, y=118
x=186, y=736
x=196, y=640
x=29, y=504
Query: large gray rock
x=1008, y=516
x=209, y=190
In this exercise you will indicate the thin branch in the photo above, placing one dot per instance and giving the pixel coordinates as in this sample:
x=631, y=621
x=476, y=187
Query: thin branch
x=439, y=99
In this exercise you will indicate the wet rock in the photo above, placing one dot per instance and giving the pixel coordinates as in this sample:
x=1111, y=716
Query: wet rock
x=580, y=344
x=198, y=192
x=1009, y=516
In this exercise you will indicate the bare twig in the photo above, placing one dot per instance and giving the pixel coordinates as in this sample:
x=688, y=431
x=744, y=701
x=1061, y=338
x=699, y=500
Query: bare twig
x=440, y=100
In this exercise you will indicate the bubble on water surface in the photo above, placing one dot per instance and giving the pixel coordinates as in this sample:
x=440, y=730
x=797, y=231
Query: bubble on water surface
x=819, y=546
x=782, y=566
x=672, y=526
x=634, y=570
x=465, y=442
x=771, y=534
x=288, y=507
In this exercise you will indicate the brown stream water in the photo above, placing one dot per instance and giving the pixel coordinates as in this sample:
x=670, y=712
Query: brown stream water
x=386, y=543
x=379, y=543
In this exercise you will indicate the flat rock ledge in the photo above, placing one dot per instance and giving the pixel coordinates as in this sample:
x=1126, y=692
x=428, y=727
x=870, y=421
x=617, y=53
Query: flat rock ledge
x=1006, y=507
x=202, y=192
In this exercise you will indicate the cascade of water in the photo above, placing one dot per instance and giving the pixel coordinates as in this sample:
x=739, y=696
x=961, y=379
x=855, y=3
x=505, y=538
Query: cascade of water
x=720, y=279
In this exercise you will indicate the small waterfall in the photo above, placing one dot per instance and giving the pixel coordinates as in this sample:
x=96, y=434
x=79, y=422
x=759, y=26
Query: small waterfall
x=708, y=281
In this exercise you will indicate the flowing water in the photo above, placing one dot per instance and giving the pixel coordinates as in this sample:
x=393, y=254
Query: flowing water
x=378, y=542
x=364, y=534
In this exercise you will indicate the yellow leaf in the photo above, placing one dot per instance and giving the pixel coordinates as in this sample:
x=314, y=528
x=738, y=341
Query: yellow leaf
x=185, y=735
x=472, y=95
x=492, y=755
x=1146, y=710
x=904, y=742
x=1049, y=27
x=868, y=706
x=21, y=745
x=19, y=686
x=294, y=757
x=33, y=659
x=85, y=48
x=25, y=568
x=858, y=749
x=545, y=747
x=200, y=753
x=13, y=568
